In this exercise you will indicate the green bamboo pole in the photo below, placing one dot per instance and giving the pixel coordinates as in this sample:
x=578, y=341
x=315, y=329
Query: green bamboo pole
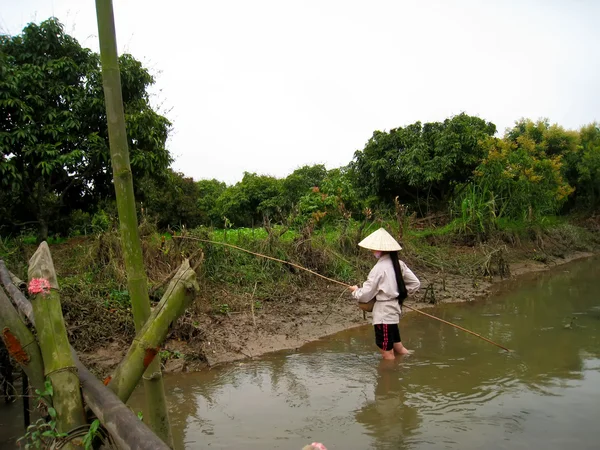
x=181, y=291
x=54, y=344
x=121, y=422
x=21, y=344
x=156, y=407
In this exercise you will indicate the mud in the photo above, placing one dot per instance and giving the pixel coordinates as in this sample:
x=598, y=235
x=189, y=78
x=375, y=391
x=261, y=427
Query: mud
x=307, y=316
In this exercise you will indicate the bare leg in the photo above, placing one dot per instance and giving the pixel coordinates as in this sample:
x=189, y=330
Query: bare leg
x=387, y=354
x=400, y=349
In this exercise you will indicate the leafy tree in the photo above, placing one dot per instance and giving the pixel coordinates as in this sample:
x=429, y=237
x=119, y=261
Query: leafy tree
x=172, y=202
x=521, y=180
x=422, y=161
x=250, y=200
x=300, y=182
x=550, y=139
x=54, y=155
x=336, y=198
x=586, y=163
x=208, y=193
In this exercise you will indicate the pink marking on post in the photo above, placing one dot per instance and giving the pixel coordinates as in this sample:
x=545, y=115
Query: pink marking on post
x=39, y=286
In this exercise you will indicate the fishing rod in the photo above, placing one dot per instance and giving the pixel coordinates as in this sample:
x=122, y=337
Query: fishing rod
x=208, y=241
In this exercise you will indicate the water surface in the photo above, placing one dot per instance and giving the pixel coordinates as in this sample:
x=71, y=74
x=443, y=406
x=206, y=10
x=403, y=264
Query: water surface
x=455, y=391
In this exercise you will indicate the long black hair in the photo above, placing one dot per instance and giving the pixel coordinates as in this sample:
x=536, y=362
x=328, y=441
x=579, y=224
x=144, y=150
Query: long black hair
x=402, y=292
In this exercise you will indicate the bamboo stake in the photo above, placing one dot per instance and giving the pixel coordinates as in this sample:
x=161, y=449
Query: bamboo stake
x=125, y=428
x=54, y=345
x=21, y=344
x=23, y=305
x=144, y=348
x=156, y=406
x=340, y=283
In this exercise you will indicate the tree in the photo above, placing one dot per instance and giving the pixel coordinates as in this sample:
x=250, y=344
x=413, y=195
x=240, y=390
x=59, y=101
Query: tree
x=336, y=198
x=300, y=182
x=522, y=180
x=250, y=200
x=586, y=163
x=172, y=201
x=553, y=139
x=422, y=161
x=208, y=193
x=54, y=155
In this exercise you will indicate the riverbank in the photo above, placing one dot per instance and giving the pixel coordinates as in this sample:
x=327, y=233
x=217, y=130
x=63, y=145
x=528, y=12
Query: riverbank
x=322, y=312
x=249, y=306
x=309, y=315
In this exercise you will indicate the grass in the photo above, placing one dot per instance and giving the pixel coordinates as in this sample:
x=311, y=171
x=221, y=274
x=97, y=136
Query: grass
x=93, y=278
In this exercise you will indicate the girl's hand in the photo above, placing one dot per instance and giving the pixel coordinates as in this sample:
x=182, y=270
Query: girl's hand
x=353, y=288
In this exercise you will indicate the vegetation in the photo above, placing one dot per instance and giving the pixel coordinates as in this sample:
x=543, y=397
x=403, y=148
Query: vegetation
x=54, y=157
x=437, y=186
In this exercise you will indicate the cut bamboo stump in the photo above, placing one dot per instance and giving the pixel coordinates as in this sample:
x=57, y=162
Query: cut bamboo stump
x=128, y=432
x=54, y=345
x=21, y=344
x=181, y=291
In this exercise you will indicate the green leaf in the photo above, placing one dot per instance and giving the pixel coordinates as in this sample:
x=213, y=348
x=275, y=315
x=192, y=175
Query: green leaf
x=52, y=413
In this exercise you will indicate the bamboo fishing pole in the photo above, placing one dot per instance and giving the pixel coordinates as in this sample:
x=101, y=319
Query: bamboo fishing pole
x=208, y=241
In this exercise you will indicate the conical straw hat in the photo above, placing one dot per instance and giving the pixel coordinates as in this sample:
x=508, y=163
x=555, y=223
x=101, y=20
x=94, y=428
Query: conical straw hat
x=380, y=240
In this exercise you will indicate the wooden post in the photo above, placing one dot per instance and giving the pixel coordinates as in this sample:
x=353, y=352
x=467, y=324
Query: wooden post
x=120, y=421
x=54, y=345
x=125, y=428
x=144, y=348
x=156, y=406
x=23, y=305
x=21, y=343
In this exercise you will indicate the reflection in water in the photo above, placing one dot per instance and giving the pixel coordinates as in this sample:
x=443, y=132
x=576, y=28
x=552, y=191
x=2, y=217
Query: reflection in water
x=389, y=418
x=456, y=391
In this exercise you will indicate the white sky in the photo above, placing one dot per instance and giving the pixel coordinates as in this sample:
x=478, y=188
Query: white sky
x=269, y=86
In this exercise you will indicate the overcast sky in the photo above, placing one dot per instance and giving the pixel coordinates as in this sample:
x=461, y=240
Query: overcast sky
x=269, y=86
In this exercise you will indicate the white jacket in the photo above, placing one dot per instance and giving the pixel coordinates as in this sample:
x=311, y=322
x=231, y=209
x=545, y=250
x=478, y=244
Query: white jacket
x=381, y=284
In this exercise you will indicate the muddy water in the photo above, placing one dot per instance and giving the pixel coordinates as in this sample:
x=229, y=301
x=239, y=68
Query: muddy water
x=455, y=391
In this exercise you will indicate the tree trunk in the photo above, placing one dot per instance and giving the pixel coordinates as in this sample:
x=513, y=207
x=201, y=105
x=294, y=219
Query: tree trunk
x=144, y=348
x=42, y=230
x=54, y=345
x=41, y=212
x=156, y=413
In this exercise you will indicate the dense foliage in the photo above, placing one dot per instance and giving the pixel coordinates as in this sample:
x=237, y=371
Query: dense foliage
x=54, y=156
x=55, y=174
x=422, y=163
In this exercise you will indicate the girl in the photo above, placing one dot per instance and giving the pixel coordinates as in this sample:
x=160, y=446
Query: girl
x=388, y=283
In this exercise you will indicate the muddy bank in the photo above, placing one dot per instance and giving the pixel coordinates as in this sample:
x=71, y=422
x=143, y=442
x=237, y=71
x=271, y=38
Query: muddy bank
x=302, y=317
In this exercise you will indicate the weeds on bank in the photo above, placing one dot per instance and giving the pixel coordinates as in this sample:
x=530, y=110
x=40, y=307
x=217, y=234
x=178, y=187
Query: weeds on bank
x=94, y=285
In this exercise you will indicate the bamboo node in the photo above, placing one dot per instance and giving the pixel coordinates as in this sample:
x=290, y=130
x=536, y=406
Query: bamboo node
x=154, y=376
x=72, y=369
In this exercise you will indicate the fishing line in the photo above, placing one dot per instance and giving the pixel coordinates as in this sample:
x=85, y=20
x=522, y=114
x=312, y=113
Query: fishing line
x=208, y=241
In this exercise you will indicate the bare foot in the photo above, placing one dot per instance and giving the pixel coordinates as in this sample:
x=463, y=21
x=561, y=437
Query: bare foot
x=387, y=354
x=401, y=350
